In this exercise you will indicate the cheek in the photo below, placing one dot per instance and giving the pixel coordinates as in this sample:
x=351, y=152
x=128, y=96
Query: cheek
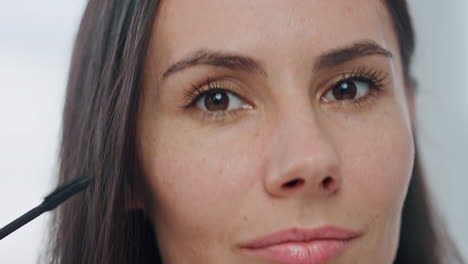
x=377, y=170
x=381, y=166
x=197, y=178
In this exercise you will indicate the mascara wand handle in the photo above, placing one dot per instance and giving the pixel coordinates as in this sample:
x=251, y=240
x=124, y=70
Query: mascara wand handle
x=51, y=201
x=21, y=221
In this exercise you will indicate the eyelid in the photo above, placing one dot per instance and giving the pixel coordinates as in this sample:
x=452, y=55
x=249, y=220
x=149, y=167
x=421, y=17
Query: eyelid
x=380, y=78
x=376, y=79
x=193, y=94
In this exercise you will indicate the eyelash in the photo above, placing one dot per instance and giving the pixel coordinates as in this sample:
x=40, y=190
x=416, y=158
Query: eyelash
x=373, y=78
x=210, y=85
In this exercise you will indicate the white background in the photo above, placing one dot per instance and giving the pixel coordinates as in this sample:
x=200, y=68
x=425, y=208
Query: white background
x=35, y=46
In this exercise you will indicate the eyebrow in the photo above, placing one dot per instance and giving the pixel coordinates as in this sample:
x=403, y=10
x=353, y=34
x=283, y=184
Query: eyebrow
x=349, y=53
x=251, y=65
x=219, y=59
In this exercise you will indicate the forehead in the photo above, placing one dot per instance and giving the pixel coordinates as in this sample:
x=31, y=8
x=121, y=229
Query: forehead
x=265, y=27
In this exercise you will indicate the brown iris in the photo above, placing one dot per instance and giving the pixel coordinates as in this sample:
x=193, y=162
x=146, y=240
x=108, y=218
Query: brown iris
x=216, y=101
x=345, y=90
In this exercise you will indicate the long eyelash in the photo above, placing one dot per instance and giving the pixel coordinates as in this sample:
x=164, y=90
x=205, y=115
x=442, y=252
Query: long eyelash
x=197, y=91
x=375, y=78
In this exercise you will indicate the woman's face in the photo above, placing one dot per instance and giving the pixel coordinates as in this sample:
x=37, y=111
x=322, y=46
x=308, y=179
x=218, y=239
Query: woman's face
x=267, y=127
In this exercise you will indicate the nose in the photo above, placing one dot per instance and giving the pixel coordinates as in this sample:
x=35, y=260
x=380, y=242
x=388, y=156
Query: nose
x=302, y=160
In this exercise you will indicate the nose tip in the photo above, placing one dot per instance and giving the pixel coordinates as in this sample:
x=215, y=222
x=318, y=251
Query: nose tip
x=303, y=158
x=328, y=184
x=310, y=177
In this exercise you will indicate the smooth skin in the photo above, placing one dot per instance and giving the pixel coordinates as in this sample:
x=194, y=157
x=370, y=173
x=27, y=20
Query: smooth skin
x=286, y=152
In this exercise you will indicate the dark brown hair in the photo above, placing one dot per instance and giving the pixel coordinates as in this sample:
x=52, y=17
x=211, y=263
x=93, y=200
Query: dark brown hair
x=98, y=140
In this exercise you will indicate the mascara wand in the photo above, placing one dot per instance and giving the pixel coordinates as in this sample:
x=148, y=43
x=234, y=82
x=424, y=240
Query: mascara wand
x=51, y=201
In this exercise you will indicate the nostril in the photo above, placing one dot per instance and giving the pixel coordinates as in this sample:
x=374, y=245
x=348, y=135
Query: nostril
x=327, y=182
x=293, y=183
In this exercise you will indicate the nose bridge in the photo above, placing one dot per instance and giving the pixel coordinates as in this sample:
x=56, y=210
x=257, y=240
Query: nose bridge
x=299, y=119
x=303, y=138
x=303, y=158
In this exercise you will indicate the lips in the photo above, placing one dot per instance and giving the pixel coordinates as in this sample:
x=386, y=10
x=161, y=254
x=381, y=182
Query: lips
x=302, y=246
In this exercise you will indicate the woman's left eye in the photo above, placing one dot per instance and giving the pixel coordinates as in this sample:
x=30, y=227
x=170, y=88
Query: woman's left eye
x=219, y=100
x=348, y=90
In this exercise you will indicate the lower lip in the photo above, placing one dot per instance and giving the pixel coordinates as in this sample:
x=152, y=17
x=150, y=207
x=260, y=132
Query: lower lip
x=311, y=252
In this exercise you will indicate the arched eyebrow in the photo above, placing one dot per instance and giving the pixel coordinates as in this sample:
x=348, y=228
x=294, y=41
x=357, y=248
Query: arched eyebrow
x=251, y=65
x=349, y=53
x=219, y=59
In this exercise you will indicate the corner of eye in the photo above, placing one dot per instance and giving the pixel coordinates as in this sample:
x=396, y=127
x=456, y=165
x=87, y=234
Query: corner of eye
x=247, y=107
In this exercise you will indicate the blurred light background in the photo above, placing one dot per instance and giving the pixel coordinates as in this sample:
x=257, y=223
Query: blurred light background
x=36, y=38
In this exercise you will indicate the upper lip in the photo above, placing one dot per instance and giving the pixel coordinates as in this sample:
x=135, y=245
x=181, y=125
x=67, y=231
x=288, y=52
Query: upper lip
x=295, y=235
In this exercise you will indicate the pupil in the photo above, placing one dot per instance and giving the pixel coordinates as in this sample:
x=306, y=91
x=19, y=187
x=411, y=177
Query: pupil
x=218, y=98
x=345, y=91
x=344, y=88
x=217, y=101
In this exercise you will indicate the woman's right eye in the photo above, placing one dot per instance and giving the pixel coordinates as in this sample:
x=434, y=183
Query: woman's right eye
x=217, y=99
